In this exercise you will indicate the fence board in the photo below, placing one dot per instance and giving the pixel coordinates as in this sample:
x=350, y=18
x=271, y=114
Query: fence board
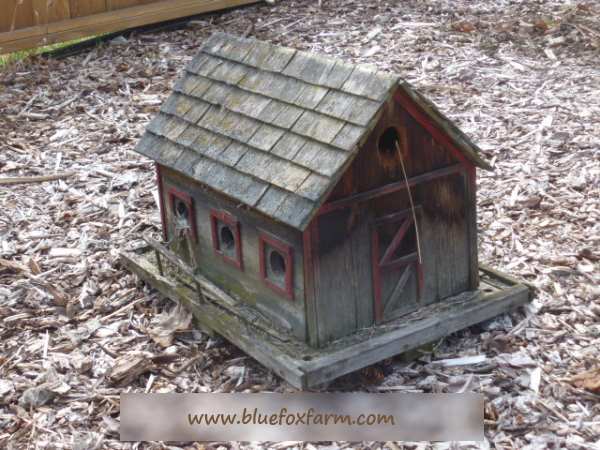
x=108, y=21
x=39, y=11
x=16, y=15
x=81, y=8
x=58, y=10
x=120, y=4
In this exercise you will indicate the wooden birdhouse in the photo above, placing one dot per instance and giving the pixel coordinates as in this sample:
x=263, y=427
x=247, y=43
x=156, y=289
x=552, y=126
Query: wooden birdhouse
x=317, y=214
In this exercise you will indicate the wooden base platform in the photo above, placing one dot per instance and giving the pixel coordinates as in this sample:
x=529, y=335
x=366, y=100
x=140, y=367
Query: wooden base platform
x=303, y=366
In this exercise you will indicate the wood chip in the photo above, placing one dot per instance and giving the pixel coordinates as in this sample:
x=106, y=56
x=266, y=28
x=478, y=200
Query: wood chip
x=520, y=78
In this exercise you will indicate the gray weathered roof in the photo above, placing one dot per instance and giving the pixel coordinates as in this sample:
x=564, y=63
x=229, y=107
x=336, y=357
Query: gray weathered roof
x=273, y=128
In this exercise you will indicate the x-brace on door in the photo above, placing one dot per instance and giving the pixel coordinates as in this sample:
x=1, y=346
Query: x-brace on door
x=397, y=270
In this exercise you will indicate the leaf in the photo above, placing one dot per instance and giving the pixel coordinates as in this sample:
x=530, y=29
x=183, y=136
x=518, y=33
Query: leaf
x=541, y=25
x=34, y=266
x=128, y=367
x=163, y=332
x=463, y=27
x=589, y=380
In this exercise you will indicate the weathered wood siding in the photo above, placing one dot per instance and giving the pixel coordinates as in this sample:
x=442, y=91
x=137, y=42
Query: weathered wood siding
x=343, y=286
x=343, y=276
x=246, y=284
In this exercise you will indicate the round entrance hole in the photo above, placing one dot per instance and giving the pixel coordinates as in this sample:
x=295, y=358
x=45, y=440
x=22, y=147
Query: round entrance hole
x=387, y=142
x=277, y=263
x=227, y=239
x=181, y=209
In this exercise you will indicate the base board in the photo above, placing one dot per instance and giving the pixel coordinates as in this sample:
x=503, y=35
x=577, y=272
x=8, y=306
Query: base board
x=306, y=367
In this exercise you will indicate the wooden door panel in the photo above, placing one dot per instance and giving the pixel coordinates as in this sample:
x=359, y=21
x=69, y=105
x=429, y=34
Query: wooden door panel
x=397, y=268
x=399, y=292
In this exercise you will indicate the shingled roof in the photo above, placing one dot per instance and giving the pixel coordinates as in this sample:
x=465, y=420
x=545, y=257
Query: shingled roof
x=273, y=128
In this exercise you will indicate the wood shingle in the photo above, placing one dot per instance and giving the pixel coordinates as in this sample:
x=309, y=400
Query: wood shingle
x=270, y=127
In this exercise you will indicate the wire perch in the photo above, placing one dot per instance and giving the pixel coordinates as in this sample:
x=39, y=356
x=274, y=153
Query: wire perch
x=412, y=205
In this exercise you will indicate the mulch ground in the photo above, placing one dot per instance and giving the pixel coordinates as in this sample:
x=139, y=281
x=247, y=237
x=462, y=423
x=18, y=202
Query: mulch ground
x=521, y=78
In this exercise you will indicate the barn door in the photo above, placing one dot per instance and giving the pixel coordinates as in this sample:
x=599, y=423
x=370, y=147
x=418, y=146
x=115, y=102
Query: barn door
x=397, y=273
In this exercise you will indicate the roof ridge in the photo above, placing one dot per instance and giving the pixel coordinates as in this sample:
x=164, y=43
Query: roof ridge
x=363, y=66
x=241, y=88
x=280, y=72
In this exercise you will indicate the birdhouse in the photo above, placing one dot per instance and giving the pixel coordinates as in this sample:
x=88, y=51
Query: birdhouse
x=319, y=215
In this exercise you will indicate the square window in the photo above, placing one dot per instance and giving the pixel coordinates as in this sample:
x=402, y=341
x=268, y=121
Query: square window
x=226, y=237
x=182, y=212
x=277, y=265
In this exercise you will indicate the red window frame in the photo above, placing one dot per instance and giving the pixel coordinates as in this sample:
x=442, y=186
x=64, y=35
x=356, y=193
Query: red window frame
x=287, y=252
x=161, y=201
x=226, y=218
x=174, y=193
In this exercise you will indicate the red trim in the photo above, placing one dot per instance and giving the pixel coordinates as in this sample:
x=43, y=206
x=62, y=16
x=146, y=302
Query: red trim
x=223, y=216
x=173, y=194
x=161, y=201
x=387, y=256
x=390, y=188
x=308, y=259
x=394, y=216
x=402, y=261
x=423, y=119
x=309, y=282
x=472, y=173
x=288, y=255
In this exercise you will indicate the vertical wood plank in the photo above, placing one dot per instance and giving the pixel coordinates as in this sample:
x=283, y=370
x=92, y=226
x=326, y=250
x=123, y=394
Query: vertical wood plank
x=445, y=239
x=361, y=256
x=16, y=15
x=29, y=25
x=113, y=5
x=308, y=242
x=471, y=218
x=58, y=10
x=81, y=8
x=334, y=283
x=377, y=303
x=40, y=12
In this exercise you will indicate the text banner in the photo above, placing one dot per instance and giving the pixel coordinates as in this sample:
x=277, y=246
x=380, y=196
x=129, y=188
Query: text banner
x=301, y=416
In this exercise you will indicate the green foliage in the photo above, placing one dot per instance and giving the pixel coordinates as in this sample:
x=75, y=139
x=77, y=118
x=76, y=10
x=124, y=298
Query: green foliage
x=12, y=58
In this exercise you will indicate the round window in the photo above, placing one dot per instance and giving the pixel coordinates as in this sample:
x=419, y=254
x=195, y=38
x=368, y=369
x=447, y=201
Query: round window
x=277, y=263
x=227, y=239
x=388, y=141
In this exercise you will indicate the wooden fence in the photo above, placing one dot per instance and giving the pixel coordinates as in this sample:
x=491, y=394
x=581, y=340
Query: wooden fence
x=32, y=23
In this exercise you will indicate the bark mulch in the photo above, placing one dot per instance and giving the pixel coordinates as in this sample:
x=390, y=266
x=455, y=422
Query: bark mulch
x=521, y=78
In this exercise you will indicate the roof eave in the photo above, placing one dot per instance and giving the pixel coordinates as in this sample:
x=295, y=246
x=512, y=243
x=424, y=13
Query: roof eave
x=467, y=147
